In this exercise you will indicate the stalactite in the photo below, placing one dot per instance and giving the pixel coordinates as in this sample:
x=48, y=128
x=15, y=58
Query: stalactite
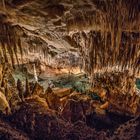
x=10, y=43
x=113, y=46
x=3, y=4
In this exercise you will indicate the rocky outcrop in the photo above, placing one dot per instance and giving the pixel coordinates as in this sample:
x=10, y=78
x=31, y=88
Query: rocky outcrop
x=119, y=90
x=73, y=111
x=39, y=122
x=62, y=92
x=33, y=117
x=37, y=89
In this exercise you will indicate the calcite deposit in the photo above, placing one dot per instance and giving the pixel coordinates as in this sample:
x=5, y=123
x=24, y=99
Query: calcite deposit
x=69, y=69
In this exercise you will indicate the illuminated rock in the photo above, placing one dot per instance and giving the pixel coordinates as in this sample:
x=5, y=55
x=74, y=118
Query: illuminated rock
x=105, y=106
x=62, y=92
x=119, y=93
x=4, y=105
x=52, y=99
x=37, y=90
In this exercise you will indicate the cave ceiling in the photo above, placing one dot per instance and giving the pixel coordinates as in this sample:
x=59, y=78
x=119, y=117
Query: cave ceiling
x=56, y=19
x=60, y=23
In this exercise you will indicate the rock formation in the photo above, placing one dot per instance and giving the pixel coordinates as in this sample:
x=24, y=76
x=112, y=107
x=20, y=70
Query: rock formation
x=43, y=39
x=4, y=105
x=119, y=90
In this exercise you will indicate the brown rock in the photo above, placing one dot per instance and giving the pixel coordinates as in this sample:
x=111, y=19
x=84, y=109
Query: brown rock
x=4, y=105
x=73, y=111
x=105, y=105
x=36, y=119
x=62, y=92
x=53, y=101
x=9, y=133
x=118, y=89
x=37, y=90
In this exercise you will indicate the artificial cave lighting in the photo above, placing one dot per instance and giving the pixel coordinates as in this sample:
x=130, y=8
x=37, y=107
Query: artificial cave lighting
x=69, y=69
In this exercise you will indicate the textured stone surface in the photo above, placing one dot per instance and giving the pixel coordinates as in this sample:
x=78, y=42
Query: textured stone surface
x=53, y=27
x=39, y=122
x=119, y=90
x=103, y=34
x=8, y=133
x=4, y=105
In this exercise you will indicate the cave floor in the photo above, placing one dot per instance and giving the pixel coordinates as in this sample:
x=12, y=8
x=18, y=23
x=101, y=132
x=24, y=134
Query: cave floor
x=71, y=110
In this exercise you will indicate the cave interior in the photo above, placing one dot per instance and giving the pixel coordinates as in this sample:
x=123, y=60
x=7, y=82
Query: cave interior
x=70, y=69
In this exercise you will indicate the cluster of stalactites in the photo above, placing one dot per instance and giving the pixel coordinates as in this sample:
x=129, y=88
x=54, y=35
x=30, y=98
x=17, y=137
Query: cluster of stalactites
x=38, y=46
x=117, y=42
x=98, y=54
x=107, y=15
x=10, y=44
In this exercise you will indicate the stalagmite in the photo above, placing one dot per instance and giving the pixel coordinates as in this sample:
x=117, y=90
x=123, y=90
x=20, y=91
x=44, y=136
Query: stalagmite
x=35, y=74
x=4, y=105
x=20, y=89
